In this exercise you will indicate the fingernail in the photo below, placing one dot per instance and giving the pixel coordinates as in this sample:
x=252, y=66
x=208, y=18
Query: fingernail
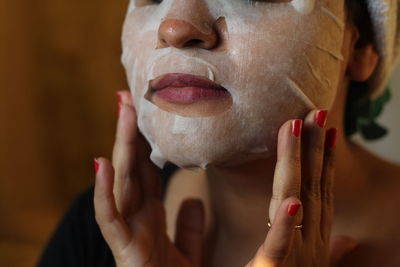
x=331, y=137
x=296, y=127
x=321, y=117
x=119, y=109
x=293, y=209
x=118, y=94
x=96, y=165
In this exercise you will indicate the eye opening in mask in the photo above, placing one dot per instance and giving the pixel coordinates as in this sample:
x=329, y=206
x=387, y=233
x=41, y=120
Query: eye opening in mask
x=140, y=3
x=271, y=1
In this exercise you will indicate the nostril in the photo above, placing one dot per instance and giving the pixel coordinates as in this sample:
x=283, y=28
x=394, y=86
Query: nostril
x=182, y=34
x=194, y=42
x=164, y=42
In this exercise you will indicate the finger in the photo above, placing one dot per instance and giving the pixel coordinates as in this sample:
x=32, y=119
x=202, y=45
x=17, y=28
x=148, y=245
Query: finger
x=312, y=160
x=327, y=182
x=112, y=225
x=287, y=177
x=189, y=230
x=127, y=187
x=147, y=171
x=125, y=97
x=340, y=246
x=277, y=244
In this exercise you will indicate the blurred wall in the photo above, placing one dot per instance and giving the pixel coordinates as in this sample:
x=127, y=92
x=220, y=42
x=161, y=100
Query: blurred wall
x=60, y=68
x=59, y=71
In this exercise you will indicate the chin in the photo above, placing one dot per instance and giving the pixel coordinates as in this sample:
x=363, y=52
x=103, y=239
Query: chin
x=206, y=142
x=206, y=155
x=247, y=131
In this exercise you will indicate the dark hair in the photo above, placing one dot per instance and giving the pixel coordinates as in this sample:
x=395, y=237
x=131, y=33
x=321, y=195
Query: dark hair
x=361, y=111
x=358, y=14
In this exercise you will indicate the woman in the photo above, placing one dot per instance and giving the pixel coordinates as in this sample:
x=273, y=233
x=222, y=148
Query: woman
x=212, y=83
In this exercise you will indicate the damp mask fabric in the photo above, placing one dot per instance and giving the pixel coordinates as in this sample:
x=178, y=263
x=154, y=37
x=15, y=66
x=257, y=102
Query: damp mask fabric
x=281, y=60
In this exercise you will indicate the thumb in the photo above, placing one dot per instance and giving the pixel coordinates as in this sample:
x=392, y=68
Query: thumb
x=340, y=247
x=189, y=230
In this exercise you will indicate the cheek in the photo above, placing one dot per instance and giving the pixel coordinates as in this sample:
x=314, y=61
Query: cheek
x=136, y=40
x=309, y=64
x=137, y=48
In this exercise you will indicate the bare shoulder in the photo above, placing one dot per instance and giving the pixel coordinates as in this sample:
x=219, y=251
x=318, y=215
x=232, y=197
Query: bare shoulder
x=376, y=226
x=385, y=193
x=379, y=170
x=388, y=173
x=385, y=183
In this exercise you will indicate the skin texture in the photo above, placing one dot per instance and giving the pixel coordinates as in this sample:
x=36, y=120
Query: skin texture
x=248, y=48
x=131, y=215
x=235, y=205
x=363, y=185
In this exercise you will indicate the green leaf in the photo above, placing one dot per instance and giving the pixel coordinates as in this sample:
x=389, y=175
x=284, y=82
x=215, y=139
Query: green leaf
x=361, y=116
x=376, y=108
x=373, y=131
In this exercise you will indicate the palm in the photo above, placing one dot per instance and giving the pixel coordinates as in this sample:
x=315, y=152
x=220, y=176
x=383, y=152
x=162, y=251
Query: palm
x=149, y=245
x=129, y=209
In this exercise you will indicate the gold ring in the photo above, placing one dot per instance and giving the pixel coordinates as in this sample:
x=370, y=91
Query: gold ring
x=297, y=227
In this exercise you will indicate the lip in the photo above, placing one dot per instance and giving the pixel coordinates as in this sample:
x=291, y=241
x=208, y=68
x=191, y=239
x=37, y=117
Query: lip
x=186, y=88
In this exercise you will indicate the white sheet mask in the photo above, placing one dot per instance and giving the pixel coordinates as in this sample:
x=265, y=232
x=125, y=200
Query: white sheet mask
x=281, y=60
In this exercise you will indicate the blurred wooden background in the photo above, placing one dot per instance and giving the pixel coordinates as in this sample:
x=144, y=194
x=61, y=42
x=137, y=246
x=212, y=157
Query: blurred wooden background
x=60, y=68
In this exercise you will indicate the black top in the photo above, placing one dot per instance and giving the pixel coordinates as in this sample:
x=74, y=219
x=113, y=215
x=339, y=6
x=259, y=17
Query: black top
x=77, y=241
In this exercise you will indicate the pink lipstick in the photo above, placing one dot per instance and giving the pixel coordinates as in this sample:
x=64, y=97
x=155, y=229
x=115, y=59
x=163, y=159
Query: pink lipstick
x=186, y=89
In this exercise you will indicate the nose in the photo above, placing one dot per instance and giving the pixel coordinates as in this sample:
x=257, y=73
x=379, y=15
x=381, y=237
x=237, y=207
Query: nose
x=182, y=34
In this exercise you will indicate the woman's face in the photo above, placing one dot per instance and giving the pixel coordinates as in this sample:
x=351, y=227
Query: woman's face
x=269, y=61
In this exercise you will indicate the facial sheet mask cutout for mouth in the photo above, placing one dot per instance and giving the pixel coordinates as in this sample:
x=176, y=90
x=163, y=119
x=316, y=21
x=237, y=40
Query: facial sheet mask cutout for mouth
x=281, y=60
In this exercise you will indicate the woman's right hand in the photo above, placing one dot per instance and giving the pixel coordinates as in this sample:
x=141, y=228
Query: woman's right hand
x=129, y=209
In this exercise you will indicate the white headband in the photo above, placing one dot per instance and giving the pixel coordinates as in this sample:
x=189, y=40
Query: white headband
x=386, y=26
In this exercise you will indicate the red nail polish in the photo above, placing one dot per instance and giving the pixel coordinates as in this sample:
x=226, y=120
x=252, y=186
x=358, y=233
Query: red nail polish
x=118, y=94
x=321, y=117
x=331, y=137
x=293, y=208
x=297, y=127
x=119, y=97
x=119, y=108
x=96, y=165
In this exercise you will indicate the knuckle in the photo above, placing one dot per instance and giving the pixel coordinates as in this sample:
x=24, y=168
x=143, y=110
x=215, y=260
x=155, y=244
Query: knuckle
x=290, y=192
x=330, y=159
x=312, y=188
x=331, y=164
x=98, y=219
x=294, y=161
x=278, y=197
x=328, y=196
x=277, y=254
x=311, y=193
x=311, y=182
x=319, y=148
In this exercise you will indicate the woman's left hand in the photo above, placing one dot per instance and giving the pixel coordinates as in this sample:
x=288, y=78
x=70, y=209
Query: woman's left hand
x=300, y=230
